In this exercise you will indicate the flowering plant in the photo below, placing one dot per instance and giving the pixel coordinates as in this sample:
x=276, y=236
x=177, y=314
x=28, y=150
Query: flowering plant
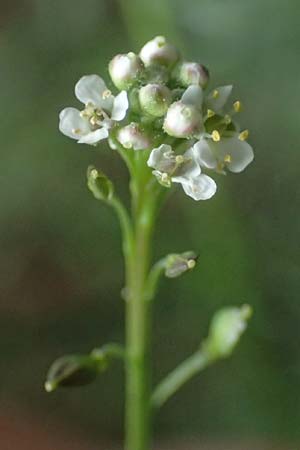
x=169, y=129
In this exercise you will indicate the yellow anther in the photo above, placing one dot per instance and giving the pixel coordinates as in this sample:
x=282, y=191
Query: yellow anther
x=179, y=159
x=244, y=135
x=191, y=263
x=49, y=387
x=94, y=174
x=215, y=93
x=237, y=106
x=210, y=113
x=106, y=94
x=227, y=119
x=76, y=130
x=215, y=136
x=227, y=158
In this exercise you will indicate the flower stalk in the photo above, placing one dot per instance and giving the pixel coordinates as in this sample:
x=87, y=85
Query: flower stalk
x=168, y=131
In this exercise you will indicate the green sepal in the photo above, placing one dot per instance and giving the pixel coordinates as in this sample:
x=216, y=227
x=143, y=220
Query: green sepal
x=99, y=184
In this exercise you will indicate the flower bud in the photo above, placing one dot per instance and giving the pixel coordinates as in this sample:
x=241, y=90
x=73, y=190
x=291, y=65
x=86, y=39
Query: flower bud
x=99, y=184
x=159, y=51
x=177, y=264
x=188, y=73
x=132, y=136
x=125, y=69
x=73, y=370
x=155, y=99
x=182, y=120
x=227, y=326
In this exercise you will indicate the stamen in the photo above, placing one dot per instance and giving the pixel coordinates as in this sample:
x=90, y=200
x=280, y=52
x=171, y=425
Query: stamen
x=106, y=94
x=237, y=106
x=244, y=135
x=210, y=113
x=215, y=136
x=76, y=131
x=191, y=263
x=179, y=159
x=94, y=173
x=215, y=93
x=227, y=119
x=164, y=177
x=227, y=158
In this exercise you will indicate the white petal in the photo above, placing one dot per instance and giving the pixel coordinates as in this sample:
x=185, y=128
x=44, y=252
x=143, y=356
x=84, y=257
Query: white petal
x=94, y=137
x=193, y=96
x=204, y=154
x=223, y=93
x=158, y=155
x=190, y=169
x=72, y=124
x=120, y=106
x=200, y=188
x=240, y=152
x=92, y=89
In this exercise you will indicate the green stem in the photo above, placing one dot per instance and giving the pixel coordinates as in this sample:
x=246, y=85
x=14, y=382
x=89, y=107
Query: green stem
x=176, y=379
x=138, y=325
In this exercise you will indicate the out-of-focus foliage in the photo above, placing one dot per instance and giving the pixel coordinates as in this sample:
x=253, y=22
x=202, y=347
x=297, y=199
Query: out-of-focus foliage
x=60, y=253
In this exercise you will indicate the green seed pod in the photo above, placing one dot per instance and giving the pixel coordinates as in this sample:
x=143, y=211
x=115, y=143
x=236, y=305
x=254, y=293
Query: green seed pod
x=227, y=326
x=125, y=70
x=177, y=264
x=73, y=370
x=155, y=99
x=99, y=184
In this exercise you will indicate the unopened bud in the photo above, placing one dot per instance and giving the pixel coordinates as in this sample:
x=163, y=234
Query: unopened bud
x=188, y=73
x=177, y=264
x=155, y=99
x=159, y=51
x=227, y=325
x=125, y=70
x=99, y=184
x=133, y=136
x=183, y=121
x=73, y=370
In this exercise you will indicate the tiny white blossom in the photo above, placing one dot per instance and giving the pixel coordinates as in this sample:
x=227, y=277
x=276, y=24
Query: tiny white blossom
x=184, y=169
x=101, y=111
x=230, y=153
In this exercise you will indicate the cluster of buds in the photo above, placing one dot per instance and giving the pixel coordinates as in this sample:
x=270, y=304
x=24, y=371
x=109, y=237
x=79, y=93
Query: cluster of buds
x=163, y=102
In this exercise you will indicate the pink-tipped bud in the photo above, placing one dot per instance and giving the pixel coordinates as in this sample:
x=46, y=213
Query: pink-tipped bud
x=125, y=70
x=183, y=121
x=159, y=51
x=188, y=73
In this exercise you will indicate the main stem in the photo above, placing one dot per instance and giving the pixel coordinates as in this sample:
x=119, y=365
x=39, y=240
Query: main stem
x=138, y=329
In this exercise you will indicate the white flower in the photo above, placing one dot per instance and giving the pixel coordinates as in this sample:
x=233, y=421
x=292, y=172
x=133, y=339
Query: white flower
x=217, y=98
x=230, y=153
x=184, y=118
x=101, y=111
x=184, y=169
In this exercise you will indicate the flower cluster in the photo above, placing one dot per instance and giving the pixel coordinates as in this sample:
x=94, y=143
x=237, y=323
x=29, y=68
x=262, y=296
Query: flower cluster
x=163, y=109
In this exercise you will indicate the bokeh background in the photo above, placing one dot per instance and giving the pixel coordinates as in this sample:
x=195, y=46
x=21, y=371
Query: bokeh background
x=60, y=258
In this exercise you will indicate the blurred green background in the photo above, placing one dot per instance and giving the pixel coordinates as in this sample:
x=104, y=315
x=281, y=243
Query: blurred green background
x=61, y=264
